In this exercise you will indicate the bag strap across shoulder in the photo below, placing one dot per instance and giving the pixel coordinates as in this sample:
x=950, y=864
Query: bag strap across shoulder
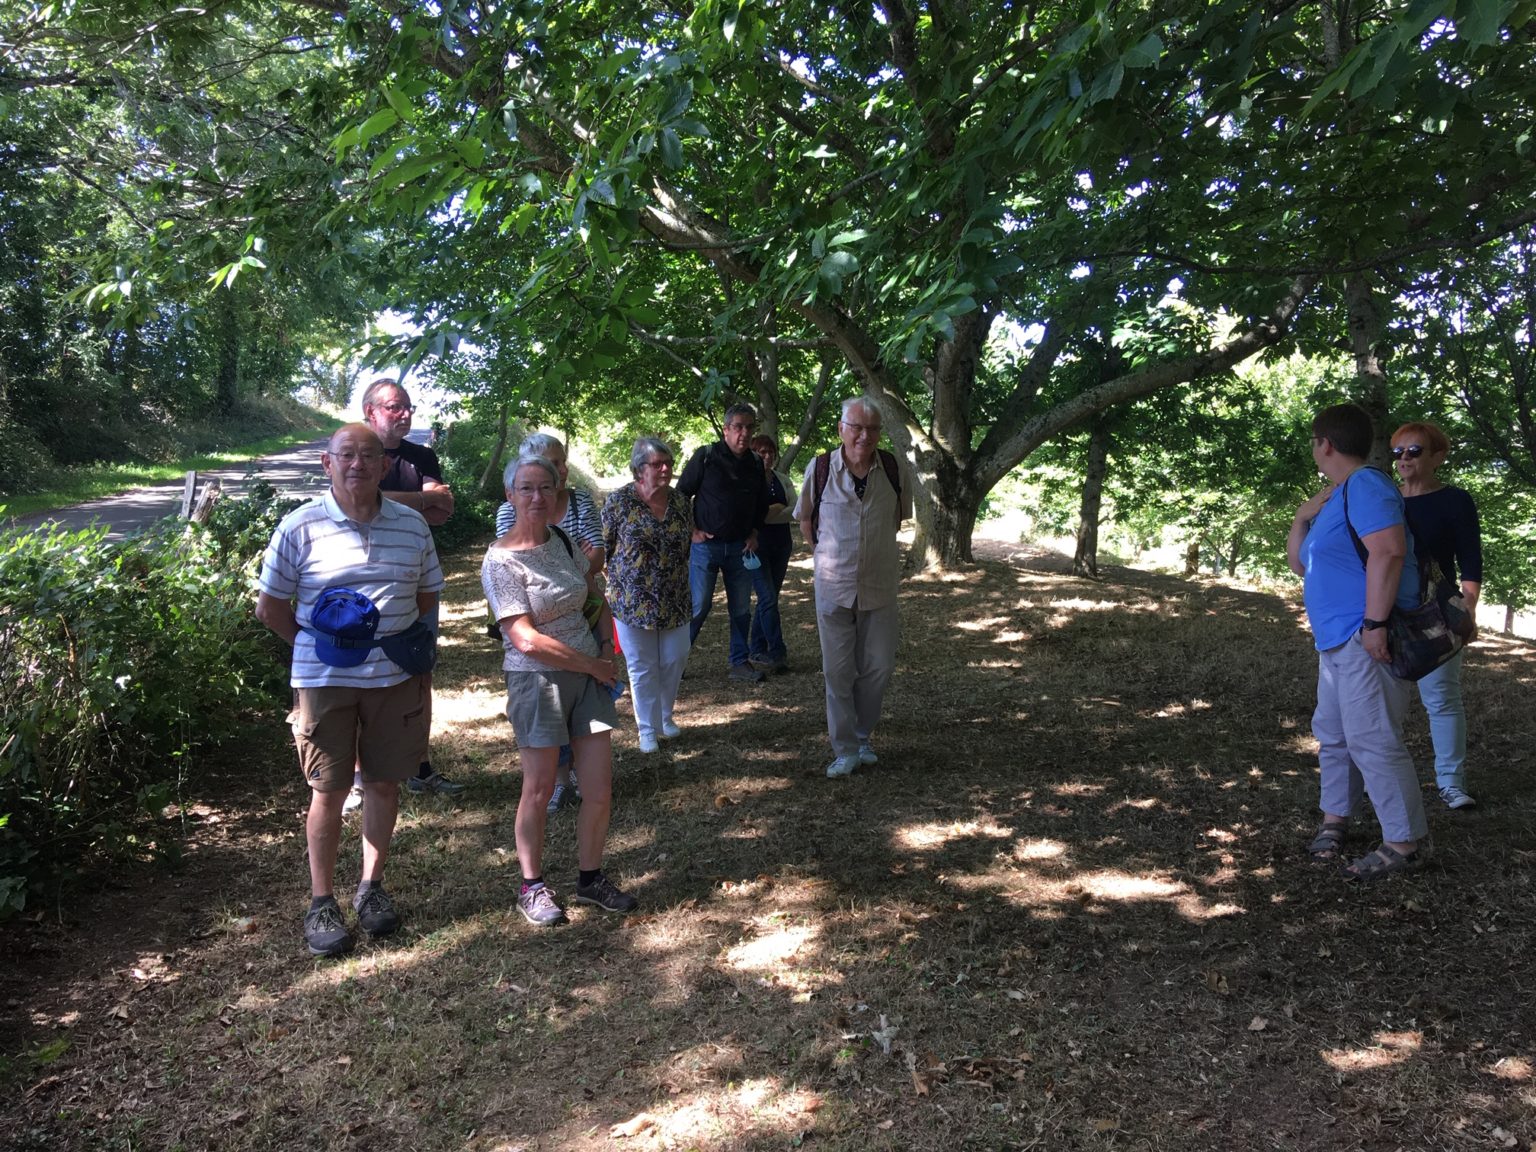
x=564, y=539
x=822, y=468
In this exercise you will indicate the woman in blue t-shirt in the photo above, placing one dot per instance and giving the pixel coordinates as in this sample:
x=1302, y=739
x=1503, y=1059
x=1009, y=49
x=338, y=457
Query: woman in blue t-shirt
x=1443, y=520
x=1349, y=545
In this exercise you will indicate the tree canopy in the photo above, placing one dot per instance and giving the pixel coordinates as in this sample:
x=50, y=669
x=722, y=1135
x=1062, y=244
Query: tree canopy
x=964, y=204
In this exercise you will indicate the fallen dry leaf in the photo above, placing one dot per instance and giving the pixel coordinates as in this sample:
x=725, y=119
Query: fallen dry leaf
x=1258, y=1024
x=641, y=1123
x=723, y=801
x=886, y=1125
x=1217, y=982
x=343, y=1060
x=1105, y=1125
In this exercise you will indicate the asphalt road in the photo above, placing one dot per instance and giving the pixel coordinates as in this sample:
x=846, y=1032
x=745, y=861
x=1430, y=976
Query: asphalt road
x=295, y=470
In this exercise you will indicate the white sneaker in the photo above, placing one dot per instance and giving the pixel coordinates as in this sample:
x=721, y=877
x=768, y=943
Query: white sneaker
x=648, y=743
x=867, y=754
x=1454, y=797
x=670, y=731
x=842, y=766
x=354, y=800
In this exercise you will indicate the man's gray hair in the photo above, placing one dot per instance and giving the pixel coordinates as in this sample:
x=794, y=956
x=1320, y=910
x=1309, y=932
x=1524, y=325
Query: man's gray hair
x=509, y=477
x=866, y=402
x=741, y=410
x=378, y=386
x=646, y=447
x=538, y=443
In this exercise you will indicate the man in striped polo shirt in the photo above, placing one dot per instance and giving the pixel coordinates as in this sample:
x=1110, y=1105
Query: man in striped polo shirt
x=351, y=707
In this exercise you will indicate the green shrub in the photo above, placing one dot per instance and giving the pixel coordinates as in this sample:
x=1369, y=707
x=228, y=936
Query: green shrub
x=123, y=660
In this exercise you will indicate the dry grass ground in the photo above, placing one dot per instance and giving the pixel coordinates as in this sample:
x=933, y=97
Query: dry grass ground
x=1068, y=909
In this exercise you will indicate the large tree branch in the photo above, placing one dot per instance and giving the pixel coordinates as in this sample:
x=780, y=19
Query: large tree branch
x=1370, y=263
x=1017, y=445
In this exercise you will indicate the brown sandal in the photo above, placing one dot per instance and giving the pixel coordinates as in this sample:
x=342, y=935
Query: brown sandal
x=1381, y=863
x=1327, y=843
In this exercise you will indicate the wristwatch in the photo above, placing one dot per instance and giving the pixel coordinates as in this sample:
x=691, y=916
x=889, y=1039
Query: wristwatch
x=1368, y=624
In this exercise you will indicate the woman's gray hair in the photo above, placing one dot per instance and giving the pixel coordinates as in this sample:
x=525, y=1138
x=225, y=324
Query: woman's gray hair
x=509, y=477
x=538, y=443
x=646, y=447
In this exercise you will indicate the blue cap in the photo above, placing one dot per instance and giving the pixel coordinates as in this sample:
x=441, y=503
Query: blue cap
x=343, y=623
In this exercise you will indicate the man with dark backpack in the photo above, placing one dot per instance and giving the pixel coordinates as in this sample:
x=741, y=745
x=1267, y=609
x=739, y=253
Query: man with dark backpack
x=851, y=505
x=729, y=495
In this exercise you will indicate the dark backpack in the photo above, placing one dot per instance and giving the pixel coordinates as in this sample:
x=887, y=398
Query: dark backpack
x=822, y=468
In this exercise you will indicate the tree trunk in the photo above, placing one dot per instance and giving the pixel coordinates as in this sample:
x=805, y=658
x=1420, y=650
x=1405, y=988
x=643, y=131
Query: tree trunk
x=805, y=434
x=944, y=528
x=1085, y=561
x=227, y=380
x=490, y=482
x=1192, y=558
x=1370, y=381
x=1509, y=620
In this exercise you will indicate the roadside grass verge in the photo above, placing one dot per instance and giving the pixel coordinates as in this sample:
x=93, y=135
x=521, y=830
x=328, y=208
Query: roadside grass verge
x=1067, y=910
x=205, y=447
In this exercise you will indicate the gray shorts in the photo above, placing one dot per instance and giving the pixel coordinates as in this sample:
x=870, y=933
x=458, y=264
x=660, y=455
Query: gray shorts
x=548, y=709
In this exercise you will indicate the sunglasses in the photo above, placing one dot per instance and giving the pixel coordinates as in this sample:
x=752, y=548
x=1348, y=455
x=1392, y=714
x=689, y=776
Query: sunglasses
x=1408, y=452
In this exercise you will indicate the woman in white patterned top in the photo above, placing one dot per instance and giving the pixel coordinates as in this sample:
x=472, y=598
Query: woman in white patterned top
x=576, y=515
x=559, y=673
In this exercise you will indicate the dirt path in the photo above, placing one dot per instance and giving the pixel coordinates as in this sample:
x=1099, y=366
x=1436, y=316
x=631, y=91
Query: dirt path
x=294, y=470
x=1067, y=910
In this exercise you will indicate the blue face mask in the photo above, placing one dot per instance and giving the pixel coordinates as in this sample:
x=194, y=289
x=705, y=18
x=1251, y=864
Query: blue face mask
x=750, y=562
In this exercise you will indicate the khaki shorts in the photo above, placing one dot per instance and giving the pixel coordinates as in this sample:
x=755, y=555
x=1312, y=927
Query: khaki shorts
x=548, y=709
x=383, y=730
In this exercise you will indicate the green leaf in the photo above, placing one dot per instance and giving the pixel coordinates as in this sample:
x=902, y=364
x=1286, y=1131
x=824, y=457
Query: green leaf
x=671, y=149
x=509, y=120
x=1145, y=53
x=679, y=96
x=600, y=191
x=399, y=103
x=1481, y=20
x=381, y=121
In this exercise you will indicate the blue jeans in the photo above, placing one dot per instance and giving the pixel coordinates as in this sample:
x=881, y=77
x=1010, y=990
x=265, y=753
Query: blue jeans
x=1441, y=693
x=704, y=560
x=767, y=639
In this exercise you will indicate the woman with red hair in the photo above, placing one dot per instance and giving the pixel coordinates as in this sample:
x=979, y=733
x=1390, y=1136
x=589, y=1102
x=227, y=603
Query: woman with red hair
x=1443, y=520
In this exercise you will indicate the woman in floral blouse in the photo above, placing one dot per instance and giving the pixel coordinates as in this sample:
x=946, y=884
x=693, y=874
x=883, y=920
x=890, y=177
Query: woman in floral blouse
x=647, y=527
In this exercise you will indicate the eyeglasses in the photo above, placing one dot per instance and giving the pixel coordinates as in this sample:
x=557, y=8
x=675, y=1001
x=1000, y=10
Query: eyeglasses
x=397, y=409
x=861, y=429
x=740, y=427
x=354, y=457
x=1408, y=452
x=658, y=464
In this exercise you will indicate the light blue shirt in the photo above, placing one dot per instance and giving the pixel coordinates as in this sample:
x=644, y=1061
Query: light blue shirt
x=1333, y=586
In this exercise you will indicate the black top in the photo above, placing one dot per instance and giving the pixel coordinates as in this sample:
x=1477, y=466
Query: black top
x=729, y=492
x=775, y=538
x=1444, y=525
x=409, y=465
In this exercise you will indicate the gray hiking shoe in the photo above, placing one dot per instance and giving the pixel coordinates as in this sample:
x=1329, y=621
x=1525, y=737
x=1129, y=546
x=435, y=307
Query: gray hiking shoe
x=325, y=933
x=537, y=904
x=376, y=913
x=1454, y=797
x=746, y=674
x=436, y=784
x=602, y=893
x=558, y=797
